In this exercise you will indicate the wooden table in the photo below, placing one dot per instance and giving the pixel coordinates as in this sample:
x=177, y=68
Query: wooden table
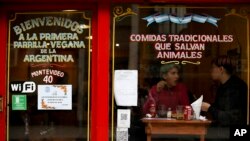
x=175, y=127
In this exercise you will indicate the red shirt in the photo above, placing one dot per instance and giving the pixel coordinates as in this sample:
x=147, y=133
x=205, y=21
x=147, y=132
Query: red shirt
x=170, y=98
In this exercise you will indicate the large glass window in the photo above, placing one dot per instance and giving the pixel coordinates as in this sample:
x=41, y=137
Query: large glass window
x=203, y=48
x=49, y=76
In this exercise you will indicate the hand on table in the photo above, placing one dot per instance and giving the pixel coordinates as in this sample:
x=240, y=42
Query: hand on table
x=205, y=106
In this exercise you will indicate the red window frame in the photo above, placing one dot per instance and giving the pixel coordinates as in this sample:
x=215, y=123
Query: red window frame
x=99, y=130
x=99, y=61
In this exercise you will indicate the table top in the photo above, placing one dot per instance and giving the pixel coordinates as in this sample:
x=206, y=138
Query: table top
x=174, y=121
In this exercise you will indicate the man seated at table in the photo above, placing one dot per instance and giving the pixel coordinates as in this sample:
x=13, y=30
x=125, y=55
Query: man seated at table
x=230, y=105
x=169, y=92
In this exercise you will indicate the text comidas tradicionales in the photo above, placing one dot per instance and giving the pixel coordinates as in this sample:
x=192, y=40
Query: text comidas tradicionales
x=180, y=38
x=183, y=46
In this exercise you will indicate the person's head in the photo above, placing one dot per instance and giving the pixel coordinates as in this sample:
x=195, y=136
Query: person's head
x=170, y=73
x=222, y=66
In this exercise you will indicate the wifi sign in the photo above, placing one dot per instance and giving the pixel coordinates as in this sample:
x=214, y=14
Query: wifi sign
x=22, y=87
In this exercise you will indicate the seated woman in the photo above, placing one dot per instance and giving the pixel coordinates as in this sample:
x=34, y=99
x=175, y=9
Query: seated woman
x=167, y=93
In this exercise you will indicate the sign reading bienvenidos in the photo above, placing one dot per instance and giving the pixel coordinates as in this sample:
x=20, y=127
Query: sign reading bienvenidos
x=48, y=46
x=26, y=35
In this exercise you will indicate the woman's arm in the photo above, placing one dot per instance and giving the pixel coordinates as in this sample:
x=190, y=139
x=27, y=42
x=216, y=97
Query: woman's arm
x=150, y=100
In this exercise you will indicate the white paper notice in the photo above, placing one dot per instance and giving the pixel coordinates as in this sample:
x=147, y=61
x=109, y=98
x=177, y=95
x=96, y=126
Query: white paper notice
x=197, y=107
x=54, y=97
x=125, y=87
x=121, y=134
x=123, y=118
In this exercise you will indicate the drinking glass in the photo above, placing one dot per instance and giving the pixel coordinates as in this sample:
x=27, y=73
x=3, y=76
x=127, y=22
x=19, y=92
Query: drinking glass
x=179, y=112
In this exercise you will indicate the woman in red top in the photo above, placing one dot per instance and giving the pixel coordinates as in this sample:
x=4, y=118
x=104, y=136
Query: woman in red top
x=167, y=93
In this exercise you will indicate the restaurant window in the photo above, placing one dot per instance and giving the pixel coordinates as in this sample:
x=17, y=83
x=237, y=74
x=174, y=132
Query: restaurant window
x=148, y=41
x=49, y=76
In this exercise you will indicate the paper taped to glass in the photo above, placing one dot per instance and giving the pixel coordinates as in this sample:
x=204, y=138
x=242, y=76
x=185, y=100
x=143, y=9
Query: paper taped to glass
x=125, y=87
x=196, y=105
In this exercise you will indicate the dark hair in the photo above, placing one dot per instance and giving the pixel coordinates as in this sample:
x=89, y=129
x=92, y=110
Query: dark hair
x=228, y=63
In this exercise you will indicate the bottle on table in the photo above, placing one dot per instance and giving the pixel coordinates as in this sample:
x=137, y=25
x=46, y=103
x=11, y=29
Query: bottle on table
x=169, y=113
x=152, y=110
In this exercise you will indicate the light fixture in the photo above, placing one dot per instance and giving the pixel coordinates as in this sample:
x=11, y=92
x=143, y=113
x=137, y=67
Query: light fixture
x=69, y=10
x=89, y=37
x=84, y=26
